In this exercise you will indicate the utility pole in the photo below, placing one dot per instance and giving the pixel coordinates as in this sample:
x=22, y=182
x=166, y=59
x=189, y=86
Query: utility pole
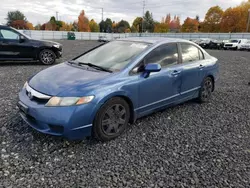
x=102, y=14
x=56, y=15
x=143, y=8
x=248, y=22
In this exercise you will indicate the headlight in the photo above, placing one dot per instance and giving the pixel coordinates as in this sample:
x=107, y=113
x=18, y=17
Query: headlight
x=69, y=101
x=25, y=85
x=56, y=45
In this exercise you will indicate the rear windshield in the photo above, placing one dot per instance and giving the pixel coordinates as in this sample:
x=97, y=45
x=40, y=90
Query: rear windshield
x=114, y=55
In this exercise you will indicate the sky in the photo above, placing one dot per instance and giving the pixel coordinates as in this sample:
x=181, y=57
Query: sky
x=40, y=11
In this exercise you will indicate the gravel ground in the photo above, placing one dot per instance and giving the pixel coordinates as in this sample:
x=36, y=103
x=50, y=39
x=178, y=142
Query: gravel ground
x=190, y=145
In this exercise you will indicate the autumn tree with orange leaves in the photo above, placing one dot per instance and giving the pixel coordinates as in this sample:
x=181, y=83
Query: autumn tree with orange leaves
x=212, y=20
x=190, y=25
x=83, y=22
x=235, y=19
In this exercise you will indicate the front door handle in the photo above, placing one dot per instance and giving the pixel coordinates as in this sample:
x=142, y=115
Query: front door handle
x=175, y=73
x=201, y=66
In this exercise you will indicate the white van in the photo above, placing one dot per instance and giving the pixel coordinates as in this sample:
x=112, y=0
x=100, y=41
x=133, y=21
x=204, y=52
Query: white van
x=235, y=44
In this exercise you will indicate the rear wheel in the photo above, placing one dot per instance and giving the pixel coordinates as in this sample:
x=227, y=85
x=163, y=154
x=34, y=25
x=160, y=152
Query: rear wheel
x=206, y=90
x=111, y=120
x=47, y=57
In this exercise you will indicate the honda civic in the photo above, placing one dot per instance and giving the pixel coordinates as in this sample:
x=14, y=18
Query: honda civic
x=104, y=89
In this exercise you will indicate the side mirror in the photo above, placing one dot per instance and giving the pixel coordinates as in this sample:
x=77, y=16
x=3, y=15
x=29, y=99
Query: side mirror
x=151, y=67
x=21, y=38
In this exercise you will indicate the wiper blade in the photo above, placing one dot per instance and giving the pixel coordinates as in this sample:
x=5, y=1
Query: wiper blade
x=73, y=62
x=95, y=66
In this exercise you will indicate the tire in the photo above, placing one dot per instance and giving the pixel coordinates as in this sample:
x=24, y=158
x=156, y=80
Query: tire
x=47, y=57
x=206, y=90
x=106, y=125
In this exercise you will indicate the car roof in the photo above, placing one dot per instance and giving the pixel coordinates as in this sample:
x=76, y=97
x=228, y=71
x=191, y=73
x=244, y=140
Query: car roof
x=4, y=26
x=153, y=40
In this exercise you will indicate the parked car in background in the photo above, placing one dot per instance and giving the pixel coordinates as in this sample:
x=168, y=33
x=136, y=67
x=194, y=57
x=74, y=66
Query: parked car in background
x=245, y=46
x=16, y=46
x=234, y=44
x=103, y=39
x=212, y=44
x=104, y=89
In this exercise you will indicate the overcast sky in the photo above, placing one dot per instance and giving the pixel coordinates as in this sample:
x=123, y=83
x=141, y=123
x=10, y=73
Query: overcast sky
x=39, y=11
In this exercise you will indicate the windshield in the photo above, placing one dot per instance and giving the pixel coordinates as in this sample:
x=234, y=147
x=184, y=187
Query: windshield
x=233, y=41
x=114, y=55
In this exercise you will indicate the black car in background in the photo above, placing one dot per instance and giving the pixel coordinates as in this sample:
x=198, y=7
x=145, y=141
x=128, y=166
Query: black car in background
x=211, y=44
x=16, y=46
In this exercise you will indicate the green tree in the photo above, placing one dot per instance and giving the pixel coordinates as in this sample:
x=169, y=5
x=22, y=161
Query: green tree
x=148, y=22
x=106, y=26
x=93, y=26
x=122, y=26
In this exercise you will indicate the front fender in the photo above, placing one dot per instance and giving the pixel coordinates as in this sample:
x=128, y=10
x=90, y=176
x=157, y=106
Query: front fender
x=108, y=96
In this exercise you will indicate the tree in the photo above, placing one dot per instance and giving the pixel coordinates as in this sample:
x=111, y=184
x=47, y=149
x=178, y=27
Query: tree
x=212, y=20
x=161, y=27
x=168, y=19
x=19, y=24
x=190, y=25
x=38, y=27
x=122, y=26
x=93, y=26
x=148, y=22
x=30, y=26
x=231, y=20
x=197, y=17
x=16, y=19
x=83, y=22
x=106, y=26
x=66, y=26
x=137, y=24
x=102, y=26
x=235, y=19
x=175, y=24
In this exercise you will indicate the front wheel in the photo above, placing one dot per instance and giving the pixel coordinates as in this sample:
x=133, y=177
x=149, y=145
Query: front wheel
x=206, y=90
x=111, y=120
x=47, y=57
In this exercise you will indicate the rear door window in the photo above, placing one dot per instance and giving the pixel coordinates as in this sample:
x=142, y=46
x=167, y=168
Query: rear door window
x=190, y=53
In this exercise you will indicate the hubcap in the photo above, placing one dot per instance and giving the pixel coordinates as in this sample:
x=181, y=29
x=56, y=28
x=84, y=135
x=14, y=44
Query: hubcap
x=47, y=57
x=207, y=89
x=114, y=119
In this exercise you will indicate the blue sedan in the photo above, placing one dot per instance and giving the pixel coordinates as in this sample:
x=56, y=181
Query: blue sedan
x=99, y=92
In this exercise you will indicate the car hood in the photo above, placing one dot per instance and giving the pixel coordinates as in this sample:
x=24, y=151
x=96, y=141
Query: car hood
x=60, y=78
x=45, y=42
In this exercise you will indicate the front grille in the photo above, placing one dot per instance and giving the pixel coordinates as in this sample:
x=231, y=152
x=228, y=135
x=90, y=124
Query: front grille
x=38, y=100
x=228, y=45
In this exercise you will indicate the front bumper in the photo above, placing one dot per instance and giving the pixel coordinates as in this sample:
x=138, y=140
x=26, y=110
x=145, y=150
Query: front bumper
x=59, y=54
x=73, y=122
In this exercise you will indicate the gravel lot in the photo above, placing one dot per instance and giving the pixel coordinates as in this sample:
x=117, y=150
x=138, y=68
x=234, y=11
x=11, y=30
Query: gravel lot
x=190, y=145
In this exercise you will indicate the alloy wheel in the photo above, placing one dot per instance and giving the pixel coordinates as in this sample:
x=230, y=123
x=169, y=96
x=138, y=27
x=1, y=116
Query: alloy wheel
x=114, y=119
x=207, y=89
x=47, y=57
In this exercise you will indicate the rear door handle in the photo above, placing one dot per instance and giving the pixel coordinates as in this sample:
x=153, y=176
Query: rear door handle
x=175, y=73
